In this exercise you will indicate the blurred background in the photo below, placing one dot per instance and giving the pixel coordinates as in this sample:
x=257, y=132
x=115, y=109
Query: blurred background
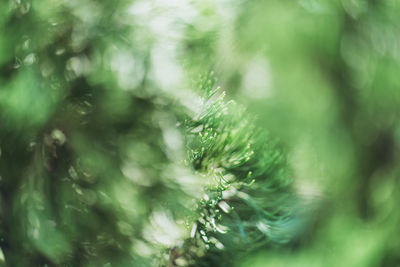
x=112, y=76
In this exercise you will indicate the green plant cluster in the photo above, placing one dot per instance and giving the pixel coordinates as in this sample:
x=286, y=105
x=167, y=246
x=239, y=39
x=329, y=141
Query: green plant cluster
x=248, y=200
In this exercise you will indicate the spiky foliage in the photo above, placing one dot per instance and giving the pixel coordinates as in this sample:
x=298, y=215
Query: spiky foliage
x=247, y=196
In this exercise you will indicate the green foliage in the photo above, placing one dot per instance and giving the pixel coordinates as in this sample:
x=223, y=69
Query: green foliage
x=247, y=197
